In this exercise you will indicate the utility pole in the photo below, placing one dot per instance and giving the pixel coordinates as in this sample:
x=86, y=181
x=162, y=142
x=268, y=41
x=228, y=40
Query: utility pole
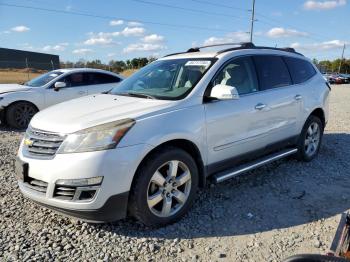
x=341, y=60
x=252, y=22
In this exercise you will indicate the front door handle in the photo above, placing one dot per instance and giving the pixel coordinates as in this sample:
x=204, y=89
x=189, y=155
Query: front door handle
x=81, y=92
x=260, y=106
x=298, y=97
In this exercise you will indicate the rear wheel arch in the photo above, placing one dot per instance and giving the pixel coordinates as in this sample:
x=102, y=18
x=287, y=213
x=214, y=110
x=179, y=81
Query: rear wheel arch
x=318, y=112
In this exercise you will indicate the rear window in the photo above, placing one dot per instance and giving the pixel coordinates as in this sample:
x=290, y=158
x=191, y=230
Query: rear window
x=272, y=72
x=300, y=70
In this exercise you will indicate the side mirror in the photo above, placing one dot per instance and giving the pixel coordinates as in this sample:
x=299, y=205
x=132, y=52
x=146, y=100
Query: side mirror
x=59, y=85
x=224, y=92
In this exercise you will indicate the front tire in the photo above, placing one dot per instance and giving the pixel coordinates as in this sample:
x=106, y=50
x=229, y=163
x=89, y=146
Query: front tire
x=310, y=139
x=164, y=187
x=18, y=115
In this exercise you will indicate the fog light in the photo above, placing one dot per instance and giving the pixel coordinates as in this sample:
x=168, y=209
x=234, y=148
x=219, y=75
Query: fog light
x=92, y=181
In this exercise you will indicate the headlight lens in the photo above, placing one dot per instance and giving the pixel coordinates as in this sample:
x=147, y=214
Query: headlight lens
x=96, y=138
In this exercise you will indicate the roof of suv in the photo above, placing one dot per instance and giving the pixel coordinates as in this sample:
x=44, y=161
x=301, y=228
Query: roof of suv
x=196, y=51
x=65, y=70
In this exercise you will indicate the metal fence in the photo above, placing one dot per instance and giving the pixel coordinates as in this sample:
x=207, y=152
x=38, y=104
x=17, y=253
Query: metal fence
x=22, y=71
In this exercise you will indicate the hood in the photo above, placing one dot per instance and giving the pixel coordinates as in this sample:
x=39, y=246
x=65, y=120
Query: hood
x=88, y=111
x=7, y=88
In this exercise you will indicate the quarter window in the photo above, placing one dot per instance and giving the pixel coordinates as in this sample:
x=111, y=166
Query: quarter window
x=272, y=72
x=300, y=70
x=239, y=73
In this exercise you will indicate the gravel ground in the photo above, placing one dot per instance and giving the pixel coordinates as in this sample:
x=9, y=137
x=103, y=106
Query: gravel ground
x=282, y=209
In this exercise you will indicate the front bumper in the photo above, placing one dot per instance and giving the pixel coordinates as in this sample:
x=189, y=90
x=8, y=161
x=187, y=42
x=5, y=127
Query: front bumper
x=117, y=166
x=114, y=209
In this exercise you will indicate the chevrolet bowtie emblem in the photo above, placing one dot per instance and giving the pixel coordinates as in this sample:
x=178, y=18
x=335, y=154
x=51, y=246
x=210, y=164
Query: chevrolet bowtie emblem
x=28, y=142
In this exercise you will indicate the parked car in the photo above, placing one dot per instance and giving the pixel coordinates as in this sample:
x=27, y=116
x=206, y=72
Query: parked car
x=345, y=77
x=145, y=147
x=19, y=103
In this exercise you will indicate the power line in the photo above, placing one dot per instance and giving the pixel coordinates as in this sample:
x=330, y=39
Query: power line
x=180, y=26
x=187, y=9
x=220, y=5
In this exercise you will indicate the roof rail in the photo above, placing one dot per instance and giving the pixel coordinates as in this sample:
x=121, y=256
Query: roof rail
x=242, y=45
x=238, y=46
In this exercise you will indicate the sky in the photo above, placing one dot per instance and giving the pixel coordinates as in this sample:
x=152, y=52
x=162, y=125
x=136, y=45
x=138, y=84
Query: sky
x=124, y=29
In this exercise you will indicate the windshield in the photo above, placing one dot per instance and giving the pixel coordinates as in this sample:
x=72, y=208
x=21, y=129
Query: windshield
x=43, y=79
x=165, y=79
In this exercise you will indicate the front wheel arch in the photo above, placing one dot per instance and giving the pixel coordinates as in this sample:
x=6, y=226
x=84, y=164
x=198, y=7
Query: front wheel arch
x=14, y=103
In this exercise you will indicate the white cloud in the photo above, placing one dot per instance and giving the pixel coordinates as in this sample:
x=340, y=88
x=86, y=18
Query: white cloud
x=100, y=40
x=82, y=51
x=116, y=22
x=111, y=54
x=153, y=38
x=323, y=5
x=58, y=47
x=328, y=45
x=233, y=37
x=20, y=29
x=133, y=31
x=143, y=47
x=278, y=32
x=134, y=23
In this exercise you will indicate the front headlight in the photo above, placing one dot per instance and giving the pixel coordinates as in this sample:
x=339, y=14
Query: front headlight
x=96, y=138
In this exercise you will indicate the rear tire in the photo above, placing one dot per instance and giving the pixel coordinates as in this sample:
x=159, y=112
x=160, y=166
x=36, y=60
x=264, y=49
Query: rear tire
x=18, y=115
x=164, y=187
x=310, y=139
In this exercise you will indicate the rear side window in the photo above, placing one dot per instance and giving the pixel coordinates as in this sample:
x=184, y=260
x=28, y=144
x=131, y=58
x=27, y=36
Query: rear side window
x=100, y=78
x=300, y=70
x=272, y=72
x=105, y=78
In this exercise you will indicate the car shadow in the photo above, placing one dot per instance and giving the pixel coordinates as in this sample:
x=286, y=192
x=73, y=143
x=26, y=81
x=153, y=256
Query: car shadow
x=283, y=194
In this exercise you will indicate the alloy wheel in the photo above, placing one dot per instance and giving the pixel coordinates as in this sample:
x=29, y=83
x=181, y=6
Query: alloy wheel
x=312, y=139
x=169, y=188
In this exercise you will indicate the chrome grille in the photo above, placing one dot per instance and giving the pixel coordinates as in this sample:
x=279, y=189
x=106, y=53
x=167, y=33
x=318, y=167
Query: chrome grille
x=42, y=144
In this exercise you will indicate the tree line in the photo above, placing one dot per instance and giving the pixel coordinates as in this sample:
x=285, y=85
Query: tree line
x=328, y=66
x=116, y=66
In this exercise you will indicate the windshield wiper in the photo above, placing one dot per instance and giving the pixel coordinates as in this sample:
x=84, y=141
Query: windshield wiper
x=136, y=95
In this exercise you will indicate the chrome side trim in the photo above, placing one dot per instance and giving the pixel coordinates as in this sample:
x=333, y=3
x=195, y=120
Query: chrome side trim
x=222, y=176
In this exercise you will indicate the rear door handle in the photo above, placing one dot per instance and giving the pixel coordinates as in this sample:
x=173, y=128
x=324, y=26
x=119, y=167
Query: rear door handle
x=81, y=92
x=260, y=106
x=298, y=97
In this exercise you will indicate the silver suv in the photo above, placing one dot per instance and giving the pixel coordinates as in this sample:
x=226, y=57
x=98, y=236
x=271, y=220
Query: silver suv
x=145, y=148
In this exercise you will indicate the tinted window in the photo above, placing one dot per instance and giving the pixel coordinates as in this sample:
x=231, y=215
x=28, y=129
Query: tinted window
x=240, y=74
x=300, y=70
x=73, y=80
x=272, y=72
x=100, y=78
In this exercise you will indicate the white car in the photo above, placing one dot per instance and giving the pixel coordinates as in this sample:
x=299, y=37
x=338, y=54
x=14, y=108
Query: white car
x=145, y=147
x=18, y=103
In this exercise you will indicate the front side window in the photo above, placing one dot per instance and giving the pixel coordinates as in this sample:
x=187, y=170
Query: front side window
x=239, y=73
x=272, y=72
x=165, y=79
x=73, y=80
x=300, y=70
x=43, y=79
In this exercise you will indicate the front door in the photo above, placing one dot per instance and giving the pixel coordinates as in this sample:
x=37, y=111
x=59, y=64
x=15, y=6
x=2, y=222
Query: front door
x=75, y=88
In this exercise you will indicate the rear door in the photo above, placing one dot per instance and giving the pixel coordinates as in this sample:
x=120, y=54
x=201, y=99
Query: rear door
x=75, y=88
x=280, y=100
x=100, y=82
